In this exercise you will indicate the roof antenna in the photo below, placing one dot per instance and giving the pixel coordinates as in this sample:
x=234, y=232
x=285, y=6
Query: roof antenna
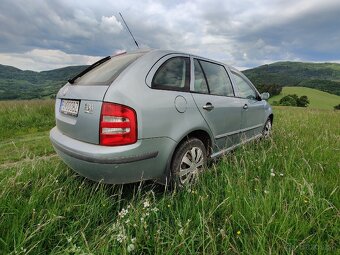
x=129, y=31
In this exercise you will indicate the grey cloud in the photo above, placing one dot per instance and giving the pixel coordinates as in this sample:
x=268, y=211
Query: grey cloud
x=245, y=33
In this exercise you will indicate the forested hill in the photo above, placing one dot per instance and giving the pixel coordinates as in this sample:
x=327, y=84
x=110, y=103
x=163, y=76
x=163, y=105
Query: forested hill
x=321, y=76
x=19, y=84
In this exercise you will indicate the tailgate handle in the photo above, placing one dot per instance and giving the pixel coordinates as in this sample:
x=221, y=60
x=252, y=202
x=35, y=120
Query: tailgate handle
x=208, y=107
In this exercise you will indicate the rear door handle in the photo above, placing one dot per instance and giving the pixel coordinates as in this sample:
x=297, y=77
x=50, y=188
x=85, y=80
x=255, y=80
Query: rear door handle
x=245, y=107
x=208, y=107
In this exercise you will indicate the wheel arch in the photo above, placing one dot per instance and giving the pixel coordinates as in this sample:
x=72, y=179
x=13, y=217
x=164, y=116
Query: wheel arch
x=201, y=134
x=271, y=117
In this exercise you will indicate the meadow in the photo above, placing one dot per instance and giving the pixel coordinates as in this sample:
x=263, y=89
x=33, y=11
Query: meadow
x=279, y=196
x=318, y=99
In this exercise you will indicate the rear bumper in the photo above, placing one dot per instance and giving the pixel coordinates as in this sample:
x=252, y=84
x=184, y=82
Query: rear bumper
x=146, y=159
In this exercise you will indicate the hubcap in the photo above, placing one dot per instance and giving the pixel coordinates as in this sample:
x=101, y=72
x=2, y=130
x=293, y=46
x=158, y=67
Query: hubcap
x=267, y=129
x=191, y=164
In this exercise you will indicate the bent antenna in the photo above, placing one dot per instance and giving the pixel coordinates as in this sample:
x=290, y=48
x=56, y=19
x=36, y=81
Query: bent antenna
x=129, y=30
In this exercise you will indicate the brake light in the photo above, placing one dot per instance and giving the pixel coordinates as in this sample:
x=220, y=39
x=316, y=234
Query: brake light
x=118, y=125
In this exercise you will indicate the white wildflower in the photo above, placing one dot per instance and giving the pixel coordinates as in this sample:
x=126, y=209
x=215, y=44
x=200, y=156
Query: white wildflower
x=155, y=209
x=272, y=174
x=122, y=213
x=121, y=237
x=130, y=247
x=146, y=204
x=281, y=174
x=222, y=233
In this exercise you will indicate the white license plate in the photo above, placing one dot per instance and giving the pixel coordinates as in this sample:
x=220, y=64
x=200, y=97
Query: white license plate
x=69, y=107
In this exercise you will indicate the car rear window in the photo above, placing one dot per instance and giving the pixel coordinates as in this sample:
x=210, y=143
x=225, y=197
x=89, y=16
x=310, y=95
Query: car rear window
x=105, y=73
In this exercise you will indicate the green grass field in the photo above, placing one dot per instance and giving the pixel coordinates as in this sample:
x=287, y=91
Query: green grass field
x=318, y=99
x=279, y=196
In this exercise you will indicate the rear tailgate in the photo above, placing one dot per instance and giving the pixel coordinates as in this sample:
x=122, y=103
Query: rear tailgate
x=79, y=103
x=82, y=123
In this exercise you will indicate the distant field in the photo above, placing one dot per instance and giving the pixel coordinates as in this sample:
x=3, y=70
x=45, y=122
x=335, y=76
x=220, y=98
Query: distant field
x=318, y=99
x=280, y=196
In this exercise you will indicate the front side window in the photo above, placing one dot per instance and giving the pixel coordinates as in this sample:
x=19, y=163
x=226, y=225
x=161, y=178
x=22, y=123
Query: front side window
x=174, y=74
x=217, y=78
x=244, y=89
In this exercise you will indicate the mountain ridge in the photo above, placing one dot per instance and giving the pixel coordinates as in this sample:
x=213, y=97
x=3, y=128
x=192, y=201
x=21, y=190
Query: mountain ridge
x=321, y=76
x=26, y=84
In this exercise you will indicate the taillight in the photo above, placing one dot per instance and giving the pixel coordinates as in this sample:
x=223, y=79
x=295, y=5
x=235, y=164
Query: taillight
x=118, y=125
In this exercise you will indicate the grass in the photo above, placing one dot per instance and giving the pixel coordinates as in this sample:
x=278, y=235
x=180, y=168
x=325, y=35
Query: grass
x=318, y=99
x=279, y=196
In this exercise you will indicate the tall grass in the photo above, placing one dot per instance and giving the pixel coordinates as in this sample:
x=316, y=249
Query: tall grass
x=279, y=196
x=25, y=117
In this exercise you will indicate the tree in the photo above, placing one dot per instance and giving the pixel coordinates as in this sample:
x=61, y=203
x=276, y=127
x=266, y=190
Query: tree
x=288, y=101
x=303, y=101
x=294, y=100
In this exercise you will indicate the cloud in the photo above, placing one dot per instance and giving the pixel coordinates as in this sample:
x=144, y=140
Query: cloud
x=243, y=33
x=41, y=59
x=111, y=25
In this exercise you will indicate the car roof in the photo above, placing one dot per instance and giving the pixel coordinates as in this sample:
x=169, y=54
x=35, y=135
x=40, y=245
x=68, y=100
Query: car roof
x=162, y=53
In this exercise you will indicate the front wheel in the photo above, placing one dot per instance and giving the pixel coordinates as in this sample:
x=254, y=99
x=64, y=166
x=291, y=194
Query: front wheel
x=189, y=160
x=267, y=130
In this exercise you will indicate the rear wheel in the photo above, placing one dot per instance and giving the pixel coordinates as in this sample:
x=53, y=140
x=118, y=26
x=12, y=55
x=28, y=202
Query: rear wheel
x=267, y=130
x=189, y=160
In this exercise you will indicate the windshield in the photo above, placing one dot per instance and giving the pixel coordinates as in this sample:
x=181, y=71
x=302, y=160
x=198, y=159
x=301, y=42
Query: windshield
x=105, y=73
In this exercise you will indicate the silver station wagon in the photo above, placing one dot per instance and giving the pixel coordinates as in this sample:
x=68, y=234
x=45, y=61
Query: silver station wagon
x=159, y=115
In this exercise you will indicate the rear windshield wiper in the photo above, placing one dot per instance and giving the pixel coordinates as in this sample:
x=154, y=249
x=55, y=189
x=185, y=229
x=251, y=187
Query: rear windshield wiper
x=99, y=62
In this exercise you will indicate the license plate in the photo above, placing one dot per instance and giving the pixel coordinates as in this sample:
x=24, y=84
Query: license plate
x=69, y=107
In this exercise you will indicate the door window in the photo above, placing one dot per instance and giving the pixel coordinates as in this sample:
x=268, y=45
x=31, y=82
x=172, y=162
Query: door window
x=218, y=80
x=244, y=89
x=174, y=74
x=200, y=85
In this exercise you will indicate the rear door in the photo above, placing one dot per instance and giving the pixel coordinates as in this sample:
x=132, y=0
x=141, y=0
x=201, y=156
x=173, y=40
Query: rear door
x=214, y=96
x=78, y=105
x=253, y=113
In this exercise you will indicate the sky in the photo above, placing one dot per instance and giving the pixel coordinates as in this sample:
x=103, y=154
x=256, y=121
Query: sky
x=47, y=34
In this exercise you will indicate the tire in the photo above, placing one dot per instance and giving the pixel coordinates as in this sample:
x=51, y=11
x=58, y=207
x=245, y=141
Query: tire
x=267, y=129
x=182, y=161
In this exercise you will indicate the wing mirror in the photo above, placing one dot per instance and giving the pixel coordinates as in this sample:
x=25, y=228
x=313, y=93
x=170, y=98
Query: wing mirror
x=265, y=96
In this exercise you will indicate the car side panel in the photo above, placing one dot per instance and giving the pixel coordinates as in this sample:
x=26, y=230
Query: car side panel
x=156, y=109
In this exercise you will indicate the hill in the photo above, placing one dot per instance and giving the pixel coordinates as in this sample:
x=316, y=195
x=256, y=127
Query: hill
x=318, y=99
x=19, y=84
x=322, y=76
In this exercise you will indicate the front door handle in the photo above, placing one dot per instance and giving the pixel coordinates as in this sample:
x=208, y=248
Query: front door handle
x=245, y=107
x=208, y=107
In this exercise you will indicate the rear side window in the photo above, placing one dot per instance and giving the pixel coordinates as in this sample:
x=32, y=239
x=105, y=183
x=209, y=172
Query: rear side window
x=105, y=73
x=244, y=89
x=173, y=74
x=200, y=84
x=218, y=80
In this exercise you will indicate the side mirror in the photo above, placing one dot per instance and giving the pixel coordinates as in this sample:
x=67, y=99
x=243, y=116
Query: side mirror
x=265, y=96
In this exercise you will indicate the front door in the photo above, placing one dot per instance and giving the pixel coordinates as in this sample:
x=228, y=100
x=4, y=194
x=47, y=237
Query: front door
x=214, y=97
x=253, y=113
